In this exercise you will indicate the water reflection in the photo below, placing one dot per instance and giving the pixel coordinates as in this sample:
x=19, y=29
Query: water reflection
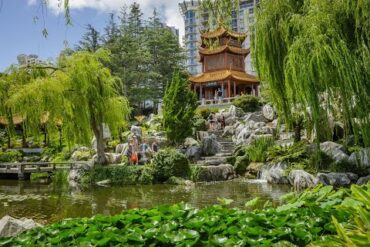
x=48, y=203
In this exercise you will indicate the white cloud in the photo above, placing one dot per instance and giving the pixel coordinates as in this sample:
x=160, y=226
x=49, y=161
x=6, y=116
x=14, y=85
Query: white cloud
x=169, y=8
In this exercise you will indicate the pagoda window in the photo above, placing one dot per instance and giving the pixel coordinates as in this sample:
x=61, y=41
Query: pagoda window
x=214, y=62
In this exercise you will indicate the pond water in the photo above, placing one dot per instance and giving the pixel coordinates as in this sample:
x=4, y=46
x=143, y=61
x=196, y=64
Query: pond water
x=48, y=203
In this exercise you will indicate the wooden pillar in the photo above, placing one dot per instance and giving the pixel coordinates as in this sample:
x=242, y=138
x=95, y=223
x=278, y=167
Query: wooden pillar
x=228, y=89
x=234, y=88
x=200, y=92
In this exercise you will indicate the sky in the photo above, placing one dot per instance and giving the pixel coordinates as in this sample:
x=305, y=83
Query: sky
x=22, y=22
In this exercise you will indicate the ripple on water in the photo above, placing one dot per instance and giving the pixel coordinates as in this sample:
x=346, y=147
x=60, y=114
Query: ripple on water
x=46, y=203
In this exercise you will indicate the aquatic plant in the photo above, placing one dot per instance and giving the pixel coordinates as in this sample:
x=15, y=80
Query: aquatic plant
x=303, y=219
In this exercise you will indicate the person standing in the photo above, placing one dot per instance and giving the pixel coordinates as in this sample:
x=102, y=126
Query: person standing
x=155, y=146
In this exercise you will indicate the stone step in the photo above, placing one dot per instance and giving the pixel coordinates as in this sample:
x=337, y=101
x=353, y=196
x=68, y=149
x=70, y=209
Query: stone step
x=223, y=154
x=213, y=161
x=227, y=149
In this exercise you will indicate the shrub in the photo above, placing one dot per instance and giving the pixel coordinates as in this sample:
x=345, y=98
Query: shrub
x=257, y=151
x=205, y=112
x=147, y=175
x=241, y=164
x=179, y=104
x=200, y=124
x=247, y=103
x=118, y=175
x=168, y=163
x=10, y=156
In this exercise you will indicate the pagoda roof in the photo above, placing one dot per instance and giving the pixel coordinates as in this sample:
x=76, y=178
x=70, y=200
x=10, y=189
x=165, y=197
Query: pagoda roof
x=223, y=48
x=221, y=75
x=222, y=31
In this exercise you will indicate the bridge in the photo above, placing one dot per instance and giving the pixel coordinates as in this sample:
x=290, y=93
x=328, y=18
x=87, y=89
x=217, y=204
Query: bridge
x=24, y=169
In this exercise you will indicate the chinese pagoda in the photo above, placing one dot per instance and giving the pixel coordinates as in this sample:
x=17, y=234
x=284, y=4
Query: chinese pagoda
x=223, y=66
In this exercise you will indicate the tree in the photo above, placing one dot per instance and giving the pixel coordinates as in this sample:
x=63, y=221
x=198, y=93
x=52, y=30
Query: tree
x=80, y=93
x=220, y=12
x=315, y=54
x=111, y=30
x=179, y=104
x=91, y=40
x=166, y=55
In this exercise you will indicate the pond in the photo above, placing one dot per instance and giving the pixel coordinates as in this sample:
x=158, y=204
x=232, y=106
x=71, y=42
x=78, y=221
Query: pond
x=48, y=203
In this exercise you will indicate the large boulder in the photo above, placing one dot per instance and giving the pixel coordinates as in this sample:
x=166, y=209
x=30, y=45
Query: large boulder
x=228, y=131
x=216, y=173
x=334, y=150
x=269, y=112
x=189, y=142
x=361, y=158
x=300, y=180
x=210, y=145
x=113, y=158
x=337, y=179
x=256, y=117
x=254, y=168
x=121, y=148
x=275, y=174
x=10, y=227
x=234, y=112
x=363, y=180
x=193, y=153
x=136, y=130
x=77, y=172
x=243, y=135
x=201, y=135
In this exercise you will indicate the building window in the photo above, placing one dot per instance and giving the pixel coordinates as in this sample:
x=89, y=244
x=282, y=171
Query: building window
x=251, y=10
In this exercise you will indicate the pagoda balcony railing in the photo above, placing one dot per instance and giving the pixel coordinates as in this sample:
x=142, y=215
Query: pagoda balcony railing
x=220, y=101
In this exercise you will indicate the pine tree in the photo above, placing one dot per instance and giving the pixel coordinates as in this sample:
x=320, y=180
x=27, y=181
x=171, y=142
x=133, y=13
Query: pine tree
x=179, y=104
x=111, y=30
x=91, y=40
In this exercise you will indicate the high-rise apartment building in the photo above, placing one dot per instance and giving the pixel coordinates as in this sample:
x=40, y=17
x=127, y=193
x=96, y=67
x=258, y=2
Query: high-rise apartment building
x=196, y=20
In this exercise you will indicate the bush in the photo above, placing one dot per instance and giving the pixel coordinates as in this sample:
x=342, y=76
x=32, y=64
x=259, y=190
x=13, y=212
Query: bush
x=10, y=156
x=179, y=104
x=247, y=103
x=241, y=164
x=168, y=163
x=118, y=175
x=200, y=124
x=205, y=112
x=147, y=175
x=257, y=151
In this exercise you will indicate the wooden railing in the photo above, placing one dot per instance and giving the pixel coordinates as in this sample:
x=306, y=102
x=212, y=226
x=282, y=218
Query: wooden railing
x=216, y=102
x=25, y=168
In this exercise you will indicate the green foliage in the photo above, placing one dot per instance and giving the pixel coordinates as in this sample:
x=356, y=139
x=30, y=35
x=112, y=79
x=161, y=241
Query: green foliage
x=220, y=12
x=257, y=151
x=81, y=95
x=119, y=175
x=241, y=164
x=200, y=124
x=304, y=219
x=170, y=163
x=179, y=104
x=314, y=55
x=248, y=103
x=195, y=172
x=144, y=59
x=204, y=112
x=293, y=154
x=147, y=175
x=10, y=156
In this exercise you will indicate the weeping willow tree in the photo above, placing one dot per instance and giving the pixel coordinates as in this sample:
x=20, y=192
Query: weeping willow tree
x=80, y=94
x=10, y=81
x=220, y=12
x=314, y=57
